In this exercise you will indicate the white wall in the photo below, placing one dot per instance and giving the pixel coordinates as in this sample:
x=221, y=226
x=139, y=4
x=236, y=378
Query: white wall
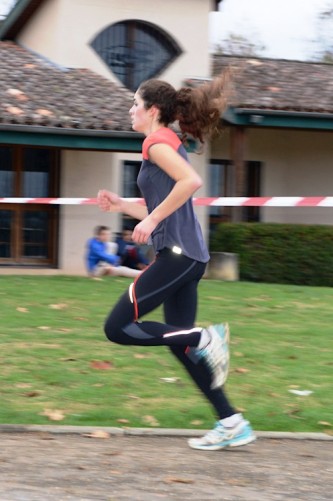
x=294, y=163
x=83, y=173
x=62, y=30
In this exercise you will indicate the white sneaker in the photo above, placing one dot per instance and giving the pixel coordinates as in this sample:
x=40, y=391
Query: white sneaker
x=216, y=354
x=221, y=437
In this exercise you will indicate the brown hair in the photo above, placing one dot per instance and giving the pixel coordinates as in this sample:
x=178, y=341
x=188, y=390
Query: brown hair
x=99, y=229
x=197, y=109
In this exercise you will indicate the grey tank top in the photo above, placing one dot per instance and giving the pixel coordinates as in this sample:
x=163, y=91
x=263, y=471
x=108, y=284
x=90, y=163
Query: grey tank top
x=181, y=230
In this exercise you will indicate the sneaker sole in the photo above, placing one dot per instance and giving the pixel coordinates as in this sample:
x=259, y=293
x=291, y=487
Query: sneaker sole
x=218, y=447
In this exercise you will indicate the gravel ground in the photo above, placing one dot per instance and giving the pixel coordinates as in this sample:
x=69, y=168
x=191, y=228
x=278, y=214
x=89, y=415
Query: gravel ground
x=41, y=466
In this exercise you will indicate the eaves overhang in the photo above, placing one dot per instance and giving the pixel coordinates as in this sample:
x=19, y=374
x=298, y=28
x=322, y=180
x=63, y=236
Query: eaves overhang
x=17, y=18
x=73, y=139
x=256, y=117
x=83, y=139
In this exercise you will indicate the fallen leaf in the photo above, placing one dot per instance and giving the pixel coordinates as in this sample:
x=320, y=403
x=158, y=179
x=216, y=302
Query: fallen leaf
x=22, y=310
x=53, y=414
x=32, y=394
x=238, y=354
x=170, y=379
x=101, y=365
x=325, y=423
x=44, y=327
x=46, y=436
x=242, y=370
x=178, y=480
x=59, y=306
x=123, y=420
x=237, y=481
x=294, y=411
x=150, y=420
x=140, y=355
x=196, y=422
x=97, y=434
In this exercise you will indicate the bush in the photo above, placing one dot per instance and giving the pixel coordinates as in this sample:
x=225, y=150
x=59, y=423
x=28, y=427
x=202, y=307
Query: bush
x=279, y=253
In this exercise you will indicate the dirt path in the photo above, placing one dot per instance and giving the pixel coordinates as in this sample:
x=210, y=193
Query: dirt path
x=45, y=467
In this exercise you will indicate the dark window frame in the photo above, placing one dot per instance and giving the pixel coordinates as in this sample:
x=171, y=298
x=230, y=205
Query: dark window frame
x=17, y=243
x=119, y=45
x=223, y=214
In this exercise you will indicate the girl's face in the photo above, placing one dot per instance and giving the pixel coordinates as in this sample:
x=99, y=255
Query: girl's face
x=140, y=116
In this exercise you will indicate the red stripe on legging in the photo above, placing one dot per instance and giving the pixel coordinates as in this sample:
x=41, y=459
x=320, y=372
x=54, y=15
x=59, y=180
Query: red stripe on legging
x=135, y=302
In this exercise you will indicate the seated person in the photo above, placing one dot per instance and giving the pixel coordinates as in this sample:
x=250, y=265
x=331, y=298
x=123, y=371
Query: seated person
x=130, y=253
x=100, y=261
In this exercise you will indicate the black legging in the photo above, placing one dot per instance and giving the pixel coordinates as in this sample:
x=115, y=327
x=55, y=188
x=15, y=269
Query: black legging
x=171, y=280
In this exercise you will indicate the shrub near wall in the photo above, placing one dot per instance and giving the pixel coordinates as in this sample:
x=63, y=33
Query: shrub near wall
x=279, y=253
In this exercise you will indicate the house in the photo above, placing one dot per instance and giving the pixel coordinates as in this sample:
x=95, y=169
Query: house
x=279, y=130
x=68, y=70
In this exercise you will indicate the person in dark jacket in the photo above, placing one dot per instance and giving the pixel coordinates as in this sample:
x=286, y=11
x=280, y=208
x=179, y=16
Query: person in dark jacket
x=131, y=254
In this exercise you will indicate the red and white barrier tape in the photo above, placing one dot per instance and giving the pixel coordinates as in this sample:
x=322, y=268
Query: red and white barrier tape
x=205, y=201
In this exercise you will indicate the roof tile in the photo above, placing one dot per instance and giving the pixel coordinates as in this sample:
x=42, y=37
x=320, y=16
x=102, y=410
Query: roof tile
x=279, y=84
x=33, y=91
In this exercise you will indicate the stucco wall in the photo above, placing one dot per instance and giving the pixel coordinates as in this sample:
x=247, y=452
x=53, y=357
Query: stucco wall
x=82, y=175
x=294, y=163
x=62, y=30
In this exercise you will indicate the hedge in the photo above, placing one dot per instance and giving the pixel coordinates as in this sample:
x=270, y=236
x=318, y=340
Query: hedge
x=279, y=253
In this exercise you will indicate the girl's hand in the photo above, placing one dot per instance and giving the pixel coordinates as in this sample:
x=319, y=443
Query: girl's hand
x=108, y=201
x=143, y=230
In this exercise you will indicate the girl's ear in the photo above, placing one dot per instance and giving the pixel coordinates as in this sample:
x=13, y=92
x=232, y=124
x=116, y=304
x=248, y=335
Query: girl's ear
x=154, y=111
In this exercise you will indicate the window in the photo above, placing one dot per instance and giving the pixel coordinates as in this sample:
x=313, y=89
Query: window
x=135, y=51
x=36, y=172
x=28, y=232
x=6, y=172
x=5, y=232
x=220, y=186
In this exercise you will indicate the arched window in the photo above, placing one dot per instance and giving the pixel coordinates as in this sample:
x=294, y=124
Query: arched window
x=135, y=51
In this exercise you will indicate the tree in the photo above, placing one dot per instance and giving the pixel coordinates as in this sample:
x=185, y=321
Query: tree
x=325, y=35
x=238, y=45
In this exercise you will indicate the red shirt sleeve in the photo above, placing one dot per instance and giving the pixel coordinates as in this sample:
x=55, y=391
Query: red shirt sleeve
x=165, y=136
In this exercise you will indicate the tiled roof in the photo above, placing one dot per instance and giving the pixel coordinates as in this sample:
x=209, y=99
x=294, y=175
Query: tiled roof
x=279, y=84
x=33, y=91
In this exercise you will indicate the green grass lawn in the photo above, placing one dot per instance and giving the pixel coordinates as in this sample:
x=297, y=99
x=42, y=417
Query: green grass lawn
x=57, y=365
